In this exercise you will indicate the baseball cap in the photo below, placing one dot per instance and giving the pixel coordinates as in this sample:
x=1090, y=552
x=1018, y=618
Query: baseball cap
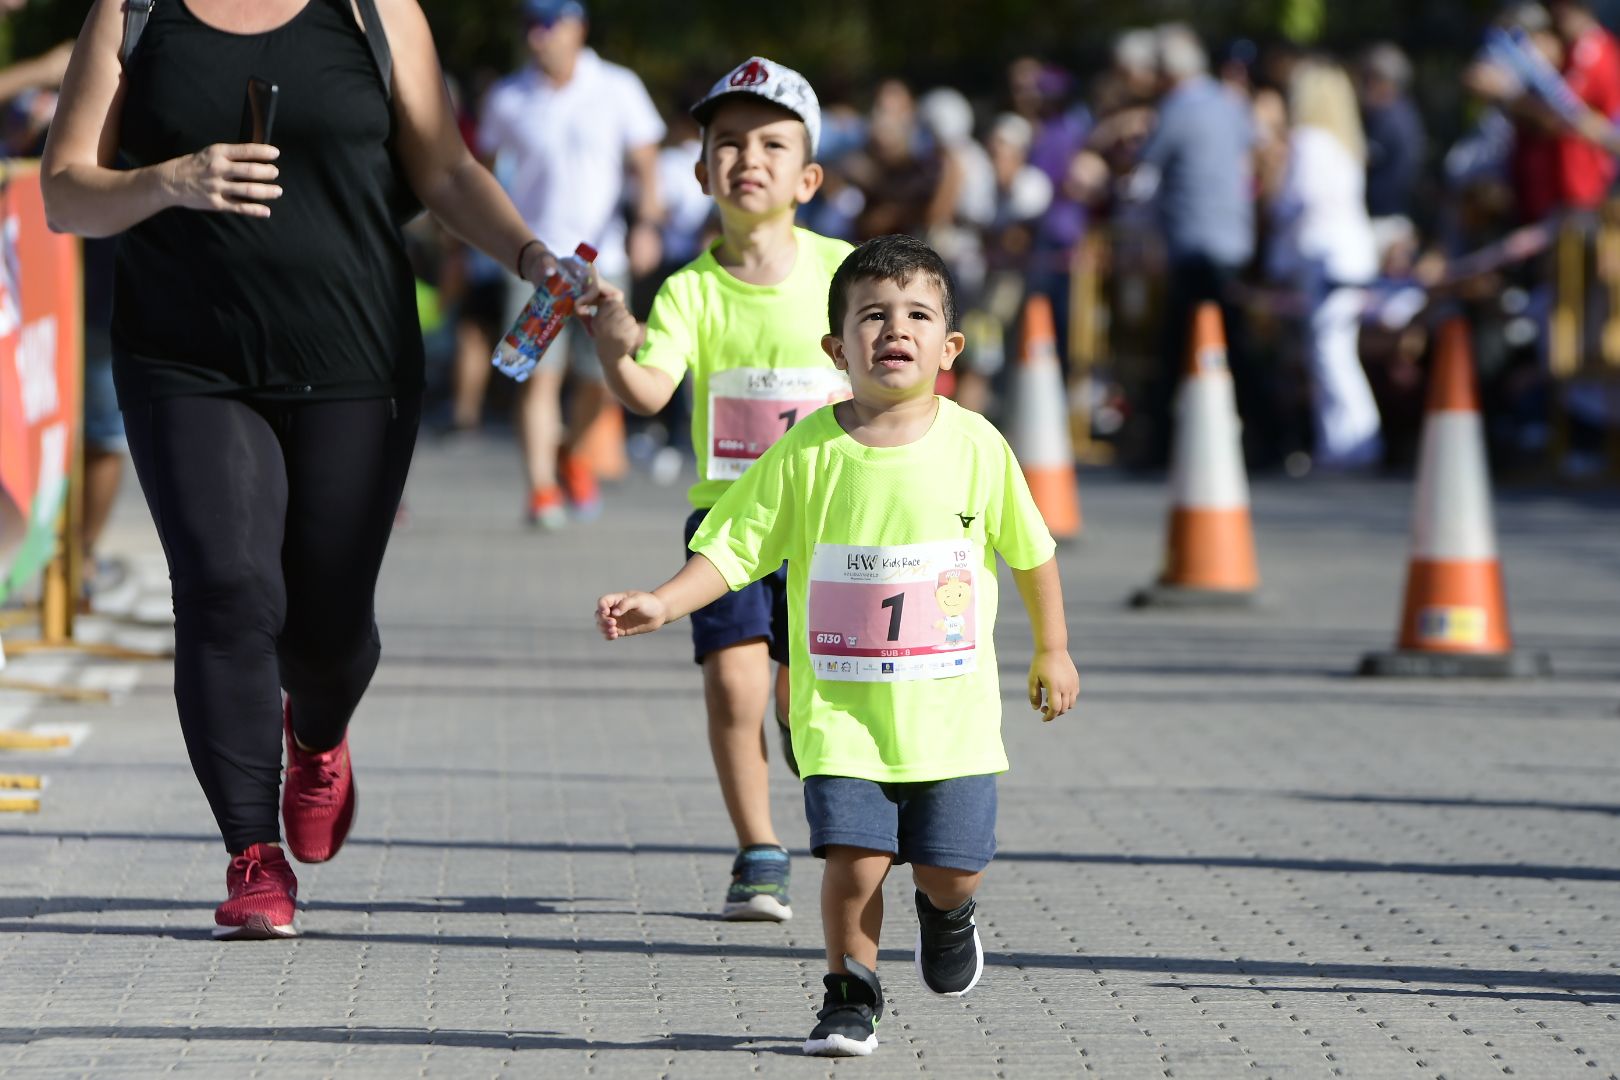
x=762, y=78
x=549, y=12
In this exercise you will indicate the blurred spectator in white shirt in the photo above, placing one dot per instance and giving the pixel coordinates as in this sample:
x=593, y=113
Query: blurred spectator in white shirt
x=1323, y=243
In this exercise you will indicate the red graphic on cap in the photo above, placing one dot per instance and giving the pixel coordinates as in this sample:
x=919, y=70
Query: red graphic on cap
x=750, y=74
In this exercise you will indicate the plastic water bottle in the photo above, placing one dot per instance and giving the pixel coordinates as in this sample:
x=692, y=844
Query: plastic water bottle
x=520, y=350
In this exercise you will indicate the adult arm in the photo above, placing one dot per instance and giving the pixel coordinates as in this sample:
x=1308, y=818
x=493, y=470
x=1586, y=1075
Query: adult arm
x=1052, y=669
x=1142, y=182
x=37, y=73
x=646, y=236
x=451, y=183
x=85, y=194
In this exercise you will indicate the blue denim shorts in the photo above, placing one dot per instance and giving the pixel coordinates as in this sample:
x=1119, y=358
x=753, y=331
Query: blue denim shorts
x=949, y=823
x=103, y=423
x=755, y=611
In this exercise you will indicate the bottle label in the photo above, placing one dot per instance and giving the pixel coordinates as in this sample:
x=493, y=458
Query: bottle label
x=751, y=408
x=536, y=327
x=894, y=614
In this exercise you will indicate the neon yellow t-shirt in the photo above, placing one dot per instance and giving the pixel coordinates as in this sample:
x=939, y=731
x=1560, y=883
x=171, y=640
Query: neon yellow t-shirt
x=754, y=352
x=891, y=555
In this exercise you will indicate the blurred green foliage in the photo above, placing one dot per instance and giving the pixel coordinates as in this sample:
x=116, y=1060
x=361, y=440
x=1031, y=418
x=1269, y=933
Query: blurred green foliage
x=852, y=43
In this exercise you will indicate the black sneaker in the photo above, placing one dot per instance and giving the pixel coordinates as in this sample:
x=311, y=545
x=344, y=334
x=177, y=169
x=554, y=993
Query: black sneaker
x=849, y=1014
x=759, y=886
x=787, y=747
x=949, y=956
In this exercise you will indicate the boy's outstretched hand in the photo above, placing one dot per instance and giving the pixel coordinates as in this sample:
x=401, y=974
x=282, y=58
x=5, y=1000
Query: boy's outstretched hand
x=617, y=332
x=625, y=614
x=1053, y=671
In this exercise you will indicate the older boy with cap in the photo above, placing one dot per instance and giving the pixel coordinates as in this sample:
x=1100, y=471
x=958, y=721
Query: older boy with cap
x=743, y=319
x=562, y=133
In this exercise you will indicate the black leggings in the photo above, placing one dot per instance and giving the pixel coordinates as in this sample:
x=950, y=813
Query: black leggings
x=274, y=517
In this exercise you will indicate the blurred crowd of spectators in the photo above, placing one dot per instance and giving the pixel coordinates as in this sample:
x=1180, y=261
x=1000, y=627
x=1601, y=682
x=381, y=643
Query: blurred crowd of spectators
x=1297, y=189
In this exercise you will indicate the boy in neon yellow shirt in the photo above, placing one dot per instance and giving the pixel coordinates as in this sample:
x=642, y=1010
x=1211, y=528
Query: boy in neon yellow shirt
x=744, y=319
x=889, y=510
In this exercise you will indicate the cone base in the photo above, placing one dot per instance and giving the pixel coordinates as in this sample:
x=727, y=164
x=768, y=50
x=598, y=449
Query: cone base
x=1405, y=663
x=1186, y=597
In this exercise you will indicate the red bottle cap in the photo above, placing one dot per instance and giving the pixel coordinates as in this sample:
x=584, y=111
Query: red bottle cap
x=586, y=252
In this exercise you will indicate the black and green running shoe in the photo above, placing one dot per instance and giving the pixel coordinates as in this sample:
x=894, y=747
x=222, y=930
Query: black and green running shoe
x=759, y=886
x=848, y=1020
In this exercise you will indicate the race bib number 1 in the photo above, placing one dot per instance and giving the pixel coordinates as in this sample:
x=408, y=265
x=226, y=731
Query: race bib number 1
x=894, y=614
x=751, y=408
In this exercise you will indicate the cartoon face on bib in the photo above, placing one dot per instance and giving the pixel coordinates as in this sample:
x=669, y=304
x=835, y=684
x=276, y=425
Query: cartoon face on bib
x=954, y=592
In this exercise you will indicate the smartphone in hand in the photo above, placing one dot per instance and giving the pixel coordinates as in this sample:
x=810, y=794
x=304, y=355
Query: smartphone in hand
x=259, y=111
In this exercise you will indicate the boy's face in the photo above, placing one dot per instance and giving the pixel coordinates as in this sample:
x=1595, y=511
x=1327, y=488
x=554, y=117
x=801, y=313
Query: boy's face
x=755, y=159
x=894, y=340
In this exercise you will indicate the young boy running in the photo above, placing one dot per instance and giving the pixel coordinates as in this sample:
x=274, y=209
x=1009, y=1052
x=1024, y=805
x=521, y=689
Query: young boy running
x=889, y=510
x=744, y=319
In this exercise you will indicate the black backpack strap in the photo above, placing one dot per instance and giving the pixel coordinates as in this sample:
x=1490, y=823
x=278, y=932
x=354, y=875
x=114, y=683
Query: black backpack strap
x=136, y=14
x=377, y=42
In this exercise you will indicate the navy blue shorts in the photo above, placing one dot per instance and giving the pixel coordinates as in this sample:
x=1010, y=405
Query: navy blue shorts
x=755, y=611
x=948, y=823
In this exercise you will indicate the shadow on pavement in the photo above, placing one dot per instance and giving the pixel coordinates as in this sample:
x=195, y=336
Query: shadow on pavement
x=1222, y=862
x=1451, y=803
x=18, y=907
x=383, y=1036
x=1489, y=979
x=1410, y=991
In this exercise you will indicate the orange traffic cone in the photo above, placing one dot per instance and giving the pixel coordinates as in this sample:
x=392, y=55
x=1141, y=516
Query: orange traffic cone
x=602, y=446
x=1454, y=620
x=1040, y=428
x=1209, y=553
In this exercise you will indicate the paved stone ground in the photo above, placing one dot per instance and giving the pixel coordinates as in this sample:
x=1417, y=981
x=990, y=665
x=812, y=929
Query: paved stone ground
x=1235, y=859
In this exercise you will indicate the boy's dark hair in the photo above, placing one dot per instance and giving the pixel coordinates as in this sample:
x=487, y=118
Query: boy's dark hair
x=897, y=258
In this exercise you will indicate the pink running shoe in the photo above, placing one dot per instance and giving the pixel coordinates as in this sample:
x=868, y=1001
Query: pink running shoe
x=317, y=799
x=263, y=895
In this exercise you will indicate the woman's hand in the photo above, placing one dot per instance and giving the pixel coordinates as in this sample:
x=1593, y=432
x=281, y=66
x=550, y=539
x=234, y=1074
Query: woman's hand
x=537, y=263
x=229, y=178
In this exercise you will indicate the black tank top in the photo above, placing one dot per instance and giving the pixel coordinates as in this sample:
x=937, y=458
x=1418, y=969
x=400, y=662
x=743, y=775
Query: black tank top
x=318, y=300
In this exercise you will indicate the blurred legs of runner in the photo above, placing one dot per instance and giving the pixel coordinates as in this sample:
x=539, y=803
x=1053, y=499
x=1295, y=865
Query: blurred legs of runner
x=555, y=475
x=104, y=450
x=474, y=346
x=480, y=310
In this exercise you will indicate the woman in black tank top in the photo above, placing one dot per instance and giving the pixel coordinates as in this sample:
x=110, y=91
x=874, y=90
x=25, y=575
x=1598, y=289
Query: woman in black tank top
x=269, y=364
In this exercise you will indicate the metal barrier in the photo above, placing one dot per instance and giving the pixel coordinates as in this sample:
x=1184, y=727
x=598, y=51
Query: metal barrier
x=1583, y=352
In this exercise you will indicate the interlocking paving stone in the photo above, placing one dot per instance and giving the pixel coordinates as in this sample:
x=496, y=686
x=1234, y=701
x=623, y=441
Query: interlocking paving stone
x=1234, y=859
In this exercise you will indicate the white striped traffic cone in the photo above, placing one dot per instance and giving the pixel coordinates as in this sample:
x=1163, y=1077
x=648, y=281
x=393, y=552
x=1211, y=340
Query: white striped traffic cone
x=1454, y=619
x=1040, y=435
x=1209, y=552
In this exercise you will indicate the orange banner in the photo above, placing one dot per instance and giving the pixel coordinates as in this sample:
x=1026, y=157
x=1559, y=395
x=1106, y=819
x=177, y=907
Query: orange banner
x=41, y=330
